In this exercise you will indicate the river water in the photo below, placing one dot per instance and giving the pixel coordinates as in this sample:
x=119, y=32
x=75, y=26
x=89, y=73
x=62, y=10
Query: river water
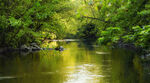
x=80, y=62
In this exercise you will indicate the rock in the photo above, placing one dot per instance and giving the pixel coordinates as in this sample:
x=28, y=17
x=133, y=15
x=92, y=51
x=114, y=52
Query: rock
x=35, y=47
x=43, y=48
x=33, y=44
x=24, y=48
x=49, y=48
x=59, y=48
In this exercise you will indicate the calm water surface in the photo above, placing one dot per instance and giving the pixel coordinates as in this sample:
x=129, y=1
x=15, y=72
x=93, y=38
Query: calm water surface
x=78, y=63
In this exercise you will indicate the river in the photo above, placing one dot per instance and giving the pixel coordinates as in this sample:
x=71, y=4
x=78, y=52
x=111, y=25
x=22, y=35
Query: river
x=80, y=62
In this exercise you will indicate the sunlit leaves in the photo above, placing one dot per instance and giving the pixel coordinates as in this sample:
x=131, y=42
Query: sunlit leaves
x=20, y=33
x=14, y=22
x=3, y=22
x=111, y=34
x=140, y=37
x=137, y=28
x=37, y=4
x=101, y=40
x=128, y=38
x=144, y=12
x=28, y=19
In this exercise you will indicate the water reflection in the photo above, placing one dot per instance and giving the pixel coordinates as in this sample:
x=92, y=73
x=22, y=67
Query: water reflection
x=78, y=63
x=83, y=74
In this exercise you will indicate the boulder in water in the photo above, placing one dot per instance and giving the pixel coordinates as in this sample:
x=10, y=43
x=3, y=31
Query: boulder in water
x=59, y=48
x=35, y=47
x=25, y=48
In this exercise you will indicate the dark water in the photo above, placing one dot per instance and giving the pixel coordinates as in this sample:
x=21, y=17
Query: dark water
x=78, y=63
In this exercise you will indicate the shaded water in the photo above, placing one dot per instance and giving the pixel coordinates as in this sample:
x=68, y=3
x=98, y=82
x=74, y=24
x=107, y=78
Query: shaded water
x=78, y=63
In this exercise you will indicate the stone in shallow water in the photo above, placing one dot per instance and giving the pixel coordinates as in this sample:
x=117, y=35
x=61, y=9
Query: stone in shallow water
x=59, y=48
x=24, y=48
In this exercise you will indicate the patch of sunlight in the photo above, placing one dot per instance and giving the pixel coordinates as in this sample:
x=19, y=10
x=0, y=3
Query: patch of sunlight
x=83, y=74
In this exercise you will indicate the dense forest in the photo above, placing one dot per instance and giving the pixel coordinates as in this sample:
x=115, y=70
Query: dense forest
x=108, y=22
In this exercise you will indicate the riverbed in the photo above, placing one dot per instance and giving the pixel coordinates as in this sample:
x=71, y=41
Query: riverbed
x=80, y=62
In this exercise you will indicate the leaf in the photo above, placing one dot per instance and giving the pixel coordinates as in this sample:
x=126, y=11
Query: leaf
x=37, y=4
x=14, y=22
x=144, y=12
x=101, y=40
x=21, y=33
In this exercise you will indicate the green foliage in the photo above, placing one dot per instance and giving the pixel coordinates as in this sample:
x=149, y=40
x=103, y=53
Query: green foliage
x=140, y=36
x=110, y=35
x=88, y=31
x=143, y=36
x=108, y=21
x=3, y=22
x=26, y=21
x=117, y=20
x=14, y=22
x=144, y=12
x=128, y=38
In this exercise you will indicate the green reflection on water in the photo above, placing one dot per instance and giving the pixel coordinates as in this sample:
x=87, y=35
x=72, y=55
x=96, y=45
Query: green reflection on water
x=78, y=63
